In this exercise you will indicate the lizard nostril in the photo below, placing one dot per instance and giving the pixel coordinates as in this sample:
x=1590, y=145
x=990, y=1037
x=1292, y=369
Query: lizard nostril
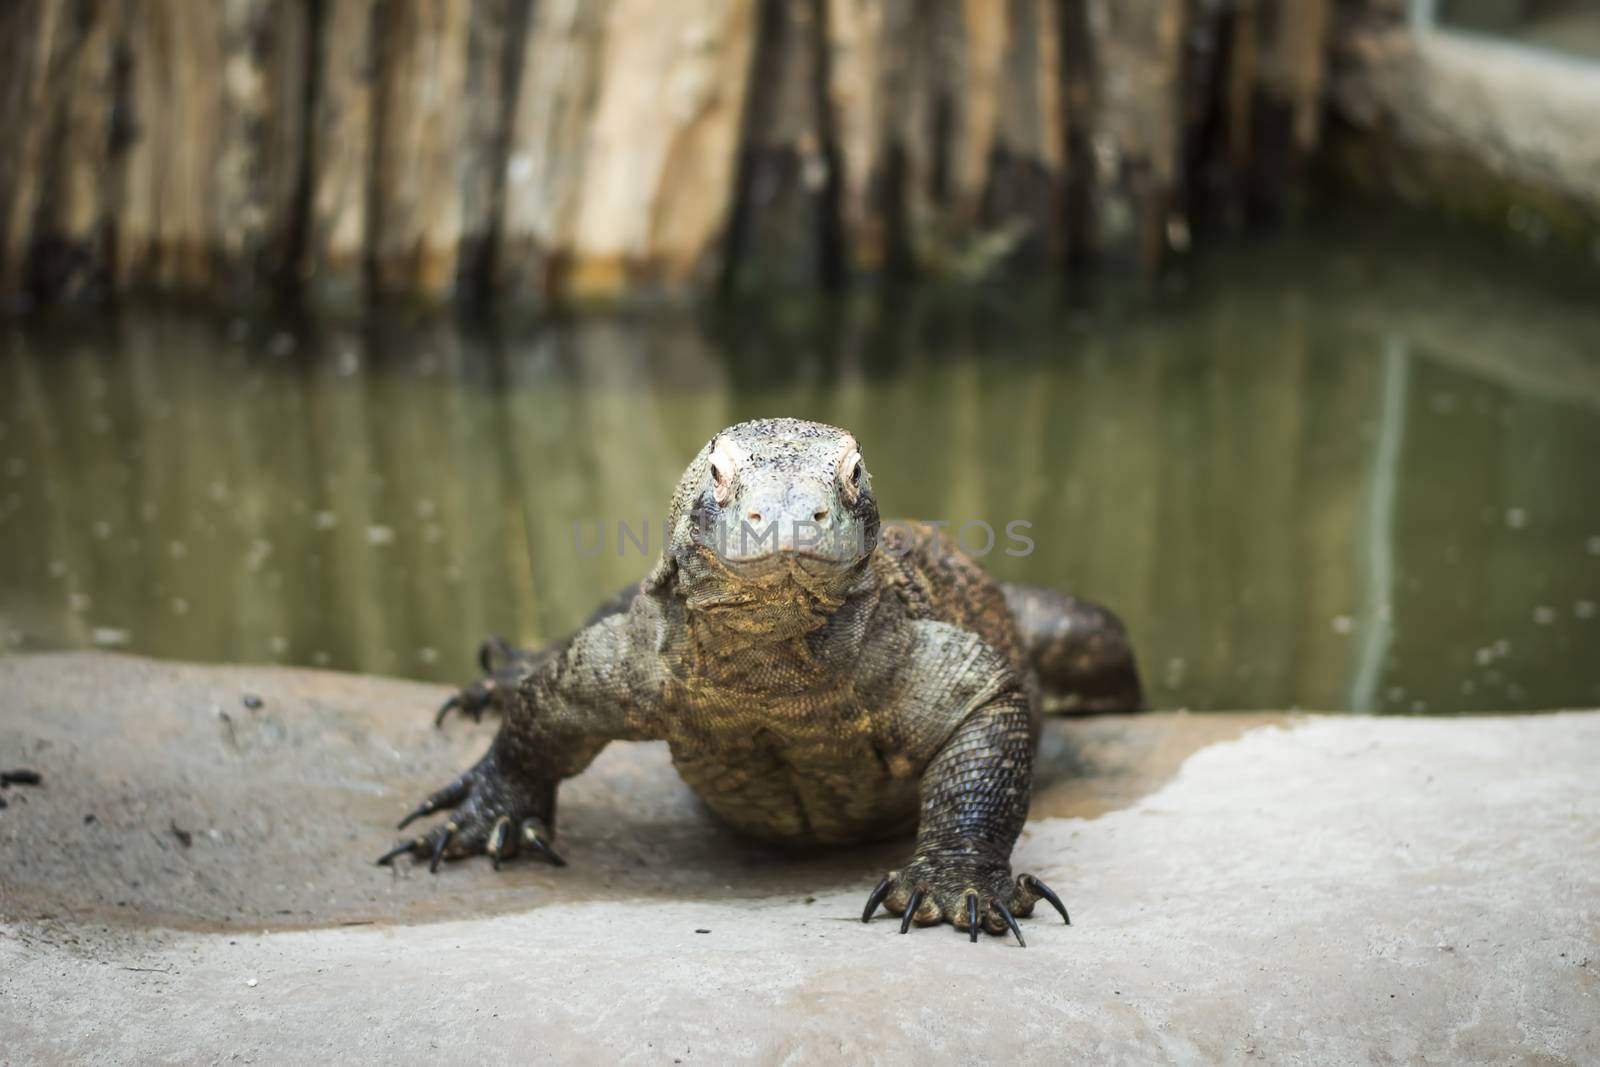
x=819, y=516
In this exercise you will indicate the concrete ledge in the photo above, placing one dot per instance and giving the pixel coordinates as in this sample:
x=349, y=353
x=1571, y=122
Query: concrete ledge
x=1316, y=889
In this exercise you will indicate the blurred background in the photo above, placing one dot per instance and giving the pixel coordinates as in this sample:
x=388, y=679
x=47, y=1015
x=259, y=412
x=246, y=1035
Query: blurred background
x=1279, y=320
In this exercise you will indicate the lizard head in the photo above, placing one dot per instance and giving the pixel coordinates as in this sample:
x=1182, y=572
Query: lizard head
x=773, y=504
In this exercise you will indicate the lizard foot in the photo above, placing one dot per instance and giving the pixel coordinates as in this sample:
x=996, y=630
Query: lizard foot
x=503, y=666
x=970, y=892
x=489, y=815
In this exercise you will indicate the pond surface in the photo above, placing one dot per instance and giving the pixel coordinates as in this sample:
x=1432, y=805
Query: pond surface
x=1358, y=474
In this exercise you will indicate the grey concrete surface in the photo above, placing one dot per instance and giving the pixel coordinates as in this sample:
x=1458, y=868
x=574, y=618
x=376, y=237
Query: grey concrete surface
x=1243, y=888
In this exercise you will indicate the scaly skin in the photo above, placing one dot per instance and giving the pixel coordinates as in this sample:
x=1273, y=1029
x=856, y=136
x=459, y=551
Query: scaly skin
x=832, y=692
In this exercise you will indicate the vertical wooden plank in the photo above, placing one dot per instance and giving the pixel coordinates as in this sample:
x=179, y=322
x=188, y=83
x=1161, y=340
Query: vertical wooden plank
x=58, y=102
x=1134, y=129
x=659, y=157
x=544, y=159
x=341, y=148
x=260, y=142
x=784, y=227
x=854, y=100
x=417, y=208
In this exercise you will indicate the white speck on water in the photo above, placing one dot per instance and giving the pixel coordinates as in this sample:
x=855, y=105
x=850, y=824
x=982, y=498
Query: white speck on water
x=1343, y=624
x=177, y=549
x=431, y=533
x=1468, y=686
x=1544, y=615
x=148, y=512
x=180, y=606
x=1594, y=545
x=1584, y=609
x=282, y=344
x=279, y=645
x=1483, y=657
x=58, y=568
x=348, y=363
x=1502, y=648
x=380, y=535
x=324, y=520
x=102, y=530
x=218, y=490
x=79, y=601
x=426, y=508
x=1516, y=518
x=1175, y=671
x=110, y=635
x=259, y=551
x=1418, y=707
x=1396, y=694
x=321, y=659
x=428, y=655
x=251, y=982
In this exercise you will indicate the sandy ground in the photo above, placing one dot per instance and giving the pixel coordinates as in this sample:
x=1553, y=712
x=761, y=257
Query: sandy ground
x=192, y=883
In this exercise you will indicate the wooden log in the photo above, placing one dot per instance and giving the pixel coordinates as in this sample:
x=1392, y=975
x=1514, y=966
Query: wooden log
x=785, y=226
x=1124, y=116
x=341, y=151
x=620, y=169
x=544, y=158
x=947, y=120
x=420, y=126
x=207, y=144
x=55, y=102
x=661, y=145
x=261, y=143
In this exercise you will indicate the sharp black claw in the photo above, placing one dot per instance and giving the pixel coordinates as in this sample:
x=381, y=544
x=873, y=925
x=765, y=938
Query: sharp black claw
x=425, y=808
x=911, y=909
x=497, y=841
x=972, y=916
x=1011, y=921
x=1055, y=901
x=388, y=857
x=440, y=845
x=875, y=900
x=444, y=709
x=539, y=844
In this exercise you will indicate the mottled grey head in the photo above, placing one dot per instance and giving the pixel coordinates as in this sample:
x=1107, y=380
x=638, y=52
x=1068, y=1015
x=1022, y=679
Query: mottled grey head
x=775, y=500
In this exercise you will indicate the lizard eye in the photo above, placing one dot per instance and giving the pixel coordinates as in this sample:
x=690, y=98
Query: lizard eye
x=723, y=467
x=850, y=474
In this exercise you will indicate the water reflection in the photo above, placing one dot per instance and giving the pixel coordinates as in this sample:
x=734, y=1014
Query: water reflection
x=1311, y=481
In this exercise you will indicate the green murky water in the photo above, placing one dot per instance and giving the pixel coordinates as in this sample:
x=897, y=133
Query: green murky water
x=1358, y=476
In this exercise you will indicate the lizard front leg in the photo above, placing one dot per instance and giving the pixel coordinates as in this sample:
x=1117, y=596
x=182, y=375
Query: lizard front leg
x=974, y=800
x=597, y=690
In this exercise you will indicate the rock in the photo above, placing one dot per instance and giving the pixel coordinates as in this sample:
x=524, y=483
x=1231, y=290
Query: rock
x=1328, y=889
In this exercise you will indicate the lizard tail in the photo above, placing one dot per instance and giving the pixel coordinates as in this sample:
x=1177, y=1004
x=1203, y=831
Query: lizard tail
x=1079, y=650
